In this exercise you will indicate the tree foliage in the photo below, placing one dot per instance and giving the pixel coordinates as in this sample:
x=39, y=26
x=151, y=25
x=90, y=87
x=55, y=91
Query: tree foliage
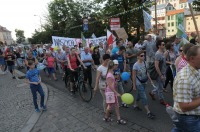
x=196, y=5
x=19, y=36
x=65, y=18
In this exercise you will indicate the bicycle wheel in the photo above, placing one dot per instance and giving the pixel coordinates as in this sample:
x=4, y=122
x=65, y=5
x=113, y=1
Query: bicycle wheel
x=85, y=91
x=67, y=82
x=127, y=85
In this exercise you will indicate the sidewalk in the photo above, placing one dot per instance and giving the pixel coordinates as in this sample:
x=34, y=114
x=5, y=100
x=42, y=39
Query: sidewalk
x=70, y=114
x=16, y=105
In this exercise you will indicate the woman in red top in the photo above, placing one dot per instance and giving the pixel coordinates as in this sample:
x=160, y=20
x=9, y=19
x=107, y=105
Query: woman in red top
x=73, y=60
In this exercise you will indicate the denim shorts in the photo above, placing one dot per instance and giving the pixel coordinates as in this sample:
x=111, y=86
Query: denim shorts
x=141, y=94
x=50, y=70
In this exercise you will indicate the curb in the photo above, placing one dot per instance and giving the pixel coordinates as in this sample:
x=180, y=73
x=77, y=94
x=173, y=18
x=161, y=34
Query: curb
x=35, y=116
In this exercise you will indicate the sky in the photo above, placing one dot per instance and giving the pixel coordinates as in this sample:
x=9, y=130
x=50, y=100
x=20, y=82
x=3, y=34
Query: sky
x=19, y=14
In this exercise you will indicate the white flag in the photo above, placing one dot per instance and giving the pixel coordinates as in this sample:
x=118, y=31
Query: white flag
x=147, y=21
x=190, y=1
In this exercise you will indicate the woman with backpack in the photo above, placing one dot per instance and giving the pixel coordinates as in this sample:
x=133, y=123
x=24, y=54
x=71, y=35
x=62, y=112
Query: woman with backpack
x=140, y=77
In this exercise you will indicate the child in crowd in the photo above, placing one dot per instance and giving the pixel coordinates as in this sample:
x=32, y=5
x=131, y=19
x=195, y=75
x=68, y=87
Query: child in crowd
x=34, y=80
x=112, y=94
x=50, y=65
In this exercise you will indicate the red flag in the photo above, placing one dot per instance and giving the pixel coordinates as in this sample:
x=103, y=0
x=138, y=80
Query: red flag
x=109, y=38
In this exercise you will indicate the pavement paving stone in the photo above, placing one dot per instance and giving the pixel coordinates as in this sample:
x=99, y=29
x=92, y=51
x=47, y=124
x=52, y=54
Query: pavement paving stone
x=66, y=113
x=16, y=104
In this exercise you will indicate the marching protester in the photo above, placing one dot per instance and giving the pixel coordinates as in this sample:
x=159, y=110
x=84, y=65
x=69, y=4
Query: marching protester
x=96, y=56
x=140, y=77
x=73, y=60
x=112, y=95
x=10, y=60
x=131, y=54
x=177, y=45
x=86, y=57
x=2, y=62
x=109, y=51
x=101, y=78
x=186, y=93
x=60, y=60
x=150, y=54
x=160, y=66
x=170, y=61
x=182, y=61
x=30, y=58
x=51, y=65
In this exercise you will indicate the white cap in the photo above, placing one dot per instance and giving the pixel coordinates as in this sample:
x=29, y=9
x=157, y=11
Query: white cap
x=115, y=62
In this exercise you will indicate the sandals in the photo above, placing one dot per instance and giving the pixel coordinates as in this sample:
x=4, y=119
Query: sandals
x=107, y=119
x=123, y=122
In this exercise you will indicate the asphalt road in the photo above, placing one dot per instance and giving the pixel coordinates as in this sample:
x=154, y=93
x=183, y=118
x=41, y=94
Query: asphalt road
x=162, y=122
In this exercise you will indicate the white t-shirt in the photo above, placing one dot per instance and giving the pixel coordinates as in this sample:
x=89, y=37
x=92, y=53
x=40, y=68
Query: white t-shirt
x=102, y=80
x=138, y=46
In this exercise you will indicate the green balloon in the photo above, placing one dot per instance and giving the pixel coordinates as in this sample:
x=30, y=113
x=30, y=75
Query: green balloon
x=127, y=98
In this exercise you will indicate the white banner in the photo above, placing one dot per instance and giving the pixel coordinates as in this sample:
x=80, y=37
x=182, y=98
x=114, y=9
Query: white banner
x=70, y=42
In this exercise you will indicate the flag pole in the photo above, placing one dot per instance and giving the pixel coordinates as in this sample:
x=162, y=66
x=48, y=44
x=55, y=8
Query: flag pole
x=195, y=23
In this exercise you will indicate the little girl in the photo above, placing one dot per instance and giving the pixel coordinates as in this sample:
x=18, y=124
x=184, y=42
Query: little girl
x=111, y=94
x=50, y=65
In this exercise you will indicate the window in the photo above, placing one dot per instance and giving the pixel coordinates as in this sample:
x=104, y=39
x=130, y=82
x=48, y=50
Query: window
x=191, y=18
x=172, y=24
x=187, y=18
x=172, y=17
x=188, y=28
x=168, y=24
x=174, y=4
x=188, y=23
x=168, y=17
x=196, y=17
x=168, y=30
x=172, y=30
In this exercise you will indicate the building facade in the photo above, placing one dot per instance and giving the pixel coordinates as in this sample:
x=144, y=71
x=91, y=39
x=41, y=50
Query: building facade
x=5, y=36
x=189, y=24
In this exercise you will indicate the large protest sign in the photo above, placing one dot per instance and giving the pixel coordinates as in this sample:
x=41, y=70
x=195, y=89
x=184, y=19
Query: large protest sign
x=121, y=33
x=70, y=42
x=96, y=41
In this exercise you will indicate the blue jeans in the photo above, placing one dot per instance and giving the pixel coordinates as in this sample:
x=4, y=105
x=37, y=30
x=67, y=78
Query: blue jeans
x=159, y=88
x=34, y=90
x=187, y=124
x=141, y=94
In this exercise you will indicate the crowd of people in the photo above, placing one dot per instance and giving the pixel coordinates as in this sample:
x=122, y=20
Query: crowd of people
x=161, y=62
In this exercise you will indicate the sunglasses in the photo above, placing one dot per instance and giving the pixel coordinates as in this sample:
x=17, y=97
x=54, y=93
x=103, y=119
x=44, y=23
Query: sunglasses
x=141, y=55
x=181, y=50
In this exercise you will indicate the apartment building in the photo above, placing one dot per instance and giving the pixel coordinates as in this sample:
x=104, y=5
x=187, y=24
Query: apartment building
x=173, y=19
x=189, y=24
x=5, y=36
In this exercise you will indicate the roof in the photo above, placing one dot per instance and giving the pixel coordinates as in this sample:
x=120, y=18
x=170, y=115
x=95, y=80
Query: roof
x=188, y=13
x=3, y=29
x=183, y=1
x=161, y=6
x=173, y=12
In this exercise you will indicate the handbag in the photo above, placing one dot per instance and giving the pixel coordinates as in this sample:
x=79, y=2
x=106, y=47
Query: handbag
x=144, y=80
x=110, y=97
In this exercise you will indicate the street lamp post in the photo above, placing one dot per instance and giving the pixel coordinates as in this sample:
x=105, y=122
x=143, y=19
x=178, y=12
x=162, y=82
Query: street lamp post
x=40, y=22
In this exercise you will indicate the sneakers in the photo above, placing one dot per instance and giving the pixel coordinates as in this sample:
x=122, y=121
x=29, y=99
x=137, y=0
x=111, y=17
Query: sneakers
x=152, y=96
x=44, y=108
x=14, y=77
x=163, y=102
x=150, y=115
x=37, y=110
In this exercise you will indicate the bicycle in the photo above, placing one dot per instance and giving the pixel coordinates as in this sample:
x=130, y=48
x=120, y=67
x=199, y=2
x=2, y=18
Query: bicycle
x=84, y=89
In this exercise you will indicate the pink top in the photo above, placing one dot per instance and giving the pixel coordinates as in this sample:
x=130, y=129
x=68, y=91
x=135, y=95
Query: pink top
x=182, y=63
x=50, y=61
x=110, y=75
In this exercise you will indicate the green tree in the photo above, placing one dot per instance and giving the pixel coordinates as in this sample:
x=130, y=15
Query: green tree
x=196, y=5
x=19, y=36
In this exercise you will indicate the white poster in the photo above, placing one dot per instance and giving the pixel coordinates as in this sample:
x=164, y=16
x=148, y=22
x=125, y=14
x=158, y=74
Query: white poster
x=96, y=41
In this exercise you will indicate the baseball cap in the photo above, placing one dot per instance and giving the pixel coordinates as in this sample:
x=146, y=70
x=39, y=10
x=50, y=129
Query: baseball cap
x=115, y=62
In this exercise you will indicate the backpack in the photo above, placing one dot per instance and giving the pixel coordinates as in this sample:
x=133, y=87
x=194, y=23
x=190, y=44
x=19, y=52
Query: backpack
x=152, y=70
